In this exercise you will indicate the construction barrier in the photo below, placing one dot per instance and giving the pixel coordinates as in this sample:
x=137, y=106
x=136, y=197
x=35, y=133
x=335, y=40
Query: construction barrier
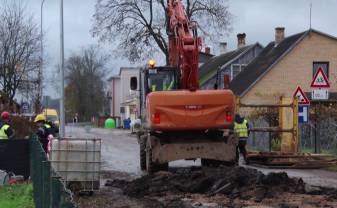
x=14, y=156
x=288, y=155
x=287, y=127
x=49, y=190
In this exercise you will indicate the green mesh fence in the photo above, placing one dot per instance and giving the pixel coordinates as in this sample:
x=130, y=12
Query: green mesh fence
x=49, y=190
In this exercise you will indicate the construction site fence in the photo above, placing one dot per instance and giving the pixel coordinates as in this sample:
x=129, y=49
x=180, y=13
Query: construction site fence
x=49, y=190
x=319, y=135
x=265, y=124
x=263, y=141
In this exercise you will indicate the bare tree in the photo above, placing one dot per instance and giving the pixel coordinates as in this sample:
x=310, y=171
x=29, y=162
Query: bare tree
x=19, y=50
x=84, y=93
x=139, y=26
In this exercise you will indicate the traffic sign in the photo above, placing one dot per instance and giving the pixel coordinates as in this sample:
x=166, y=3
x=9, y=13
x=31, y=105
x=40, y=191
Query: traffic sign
x=301, y=97
x=320, y=79
x=320, y=94
x=303, y=114
x=25, y=107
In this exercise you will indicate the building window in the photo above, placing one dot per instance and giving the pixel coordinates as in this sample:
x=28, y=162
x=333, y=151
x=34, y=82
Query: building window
x=323, y=65
x=236, y=69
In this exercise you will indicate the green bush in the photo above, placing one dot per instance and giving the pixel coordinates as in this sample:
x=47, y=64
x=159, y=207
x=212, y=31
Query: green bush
x=16, y=196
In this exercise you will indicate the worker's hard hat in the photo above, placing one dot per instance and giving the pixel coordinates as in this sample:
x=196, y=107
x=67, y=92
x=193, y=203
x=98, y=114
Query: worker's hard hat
x=152, y=63
x=39, y=117
x=5, y=115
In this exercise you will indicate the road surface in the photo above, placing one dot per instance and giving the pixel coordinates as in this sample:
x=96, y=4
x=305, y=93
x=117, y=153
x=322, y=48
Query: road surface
x=120, y=153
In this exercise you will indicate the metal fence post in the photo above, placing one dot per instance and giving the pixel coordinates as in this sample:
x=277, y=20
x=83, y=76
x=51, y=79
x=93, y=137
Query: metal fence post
x=55, y=192
x=46, y=184
x=40, y=179
x=316, y=128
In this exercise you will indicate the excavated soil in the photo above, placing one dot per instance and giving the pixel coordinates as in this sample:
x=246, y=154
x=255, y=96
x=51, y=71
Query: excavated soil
x=218, y=187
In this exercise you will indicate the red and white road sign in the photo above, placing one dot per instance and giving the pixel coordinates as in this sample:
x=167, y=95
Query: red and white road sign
x=301, y=97
x=320, y=79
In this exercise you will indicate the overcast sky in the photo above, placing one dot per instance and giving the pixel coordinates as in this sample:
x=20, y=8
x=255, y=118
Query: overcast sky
x=257, y=18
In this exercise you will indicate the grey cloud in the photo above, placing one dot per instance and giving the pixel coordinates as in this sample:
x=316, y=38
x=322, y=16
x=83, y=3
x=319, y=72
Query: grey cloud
x=257, y=18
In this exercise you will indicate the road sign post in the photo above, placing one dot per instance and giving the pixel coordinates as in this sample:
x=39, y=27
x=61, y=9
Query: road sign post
x=303, y=105
x=319, y=81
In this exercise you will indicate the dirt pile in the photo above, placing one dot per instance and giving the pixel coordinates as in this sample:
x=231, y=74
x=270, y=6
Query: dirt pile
x=234, y=182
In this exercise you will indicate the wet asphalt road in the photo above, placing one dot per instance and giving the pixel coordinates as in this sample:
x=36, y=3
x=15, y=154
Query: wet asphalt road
x=120, y=153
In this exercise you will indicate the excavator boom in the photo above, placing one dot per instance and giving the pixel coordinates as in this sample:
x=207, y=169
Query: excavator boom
x=184, y=45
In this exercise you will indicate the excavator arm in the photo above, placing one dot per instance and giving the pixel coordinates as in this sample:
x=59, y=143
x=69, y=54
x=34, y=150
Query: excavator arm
x=184, y=45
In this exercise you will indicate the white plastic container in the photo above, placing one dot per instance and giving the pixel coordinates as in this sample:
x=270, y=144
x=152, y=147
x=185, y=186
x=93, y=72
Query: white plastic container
x=77, y=162
x=3, y=177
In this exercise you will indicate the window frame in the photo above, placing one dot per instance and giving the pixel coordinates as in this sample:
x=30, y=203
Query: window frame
x=232, y=71
x=321, y=62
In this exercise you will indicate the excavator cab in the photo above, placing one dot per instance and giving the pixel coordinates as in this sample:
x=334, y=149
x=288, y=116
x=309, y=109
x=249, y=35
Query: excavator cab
x=160, y=79
x=155, y=79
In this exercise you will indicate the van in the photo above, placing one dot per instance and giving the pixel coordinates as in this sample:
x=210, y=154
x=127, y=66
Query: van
x=51, y=116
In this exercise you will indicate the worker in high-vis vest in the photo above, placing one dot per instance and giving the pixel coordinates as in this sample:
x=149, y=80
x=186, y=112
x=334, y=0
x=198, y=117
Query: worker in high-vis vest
x=241, y=129
x=153, y=88
x=166, y=86
x=43, y=131
x=6, y=131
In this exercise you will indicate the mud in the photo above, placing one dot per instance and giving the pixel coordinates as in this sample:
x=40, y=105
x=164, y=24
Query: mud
x=223, y=187
x=234, y=182
x=186, y=186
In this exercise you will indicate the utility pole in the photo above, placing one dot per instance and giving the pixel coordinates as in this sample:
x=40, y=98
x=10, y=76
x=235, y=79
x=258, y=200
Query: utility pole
x=62, y=117
x=310, y=15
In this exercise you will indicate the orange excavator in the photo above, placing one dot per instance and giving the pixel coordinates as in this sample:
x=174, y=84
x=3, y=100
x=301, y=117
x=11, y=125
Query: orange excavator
x=180, y=121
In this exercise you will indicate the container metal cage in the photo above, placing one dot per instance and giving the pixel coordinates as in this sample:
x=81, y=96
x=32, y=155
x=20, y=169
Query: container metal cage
x=77, y=162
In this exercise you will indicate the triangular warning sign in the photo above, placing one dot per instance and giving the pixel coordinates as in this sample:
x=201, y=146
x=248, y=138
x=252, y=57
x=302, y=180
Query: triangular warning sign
x=320, y=80
x=301, y=97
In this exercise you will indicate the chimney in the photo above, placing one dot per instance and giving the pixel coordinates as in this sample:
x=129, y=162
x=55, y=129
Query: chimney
x=223, y=47
x=279, y=35
x=208, y=50
x=241, y=40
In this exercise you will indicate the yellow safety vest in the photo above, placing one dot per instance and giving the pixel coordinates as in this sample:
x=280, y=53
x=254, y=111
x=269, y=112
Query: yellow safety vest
x=153, y=88
x=47, y=126
x=168, y=87
x=241, y=129
x=3, y=134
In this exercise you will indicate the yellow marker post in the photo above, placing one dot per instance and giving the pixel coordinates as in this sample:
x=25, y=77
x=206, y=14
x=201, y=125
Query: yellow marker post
x=287, y=121
x=296, y=126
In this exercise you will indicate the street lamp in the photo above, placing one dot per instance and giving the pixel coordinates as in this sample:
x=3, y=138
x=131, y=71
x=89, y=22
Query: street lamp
x=41, y=66
x=62, y=116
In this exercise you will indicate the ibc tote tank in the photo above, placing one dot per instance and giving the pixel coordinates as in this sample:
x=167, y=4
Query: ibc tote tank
x=77, y=161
